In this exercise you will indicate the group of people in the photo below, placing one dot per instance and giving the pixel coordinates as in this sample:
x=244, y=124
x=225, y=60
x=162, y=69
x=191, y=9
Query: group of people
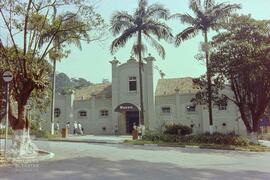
x=77, y=128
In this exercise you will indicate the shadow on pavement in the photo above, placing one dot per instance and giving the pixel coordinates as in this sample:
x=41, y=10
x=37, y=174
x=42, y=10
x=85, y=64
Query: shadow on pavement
x=88, y=168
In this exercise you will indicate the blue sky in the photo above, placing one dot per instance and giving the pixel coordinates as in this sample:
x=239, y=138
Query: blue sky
x=92, y=62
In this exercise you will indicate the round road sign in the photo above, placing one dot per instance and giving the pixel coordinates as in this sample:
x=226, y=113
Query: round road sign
x=7, y=76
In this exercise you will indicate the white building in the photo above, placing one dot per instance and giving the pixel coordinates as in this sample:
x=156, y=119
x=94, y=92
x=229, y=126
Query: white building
x=102, y=107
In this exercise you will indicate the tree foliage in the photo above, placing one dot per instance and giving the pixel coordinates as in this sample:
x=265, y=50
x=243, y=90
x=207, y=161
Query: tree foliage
x=208, y=15
x=32, y=27
x=241, y=55
x=146, y=23
x=145, y=19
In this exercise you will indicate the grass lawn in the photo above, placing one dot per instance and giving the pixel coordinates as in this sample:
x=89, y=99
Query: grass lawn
x=253, y=148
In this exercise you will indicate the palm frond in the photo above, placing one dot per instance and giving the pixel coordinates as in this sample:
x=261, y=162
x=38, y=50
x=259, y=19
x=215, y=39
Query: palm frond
x=196, y=7
x=208, y=4
x=160, y=49
x=121, y=21
x=142, y=4
x=159, y=29
x=188, y=19
x=176, y=16
x=187, y=33
x=122, y=39
x=122, y=16
x=140, y=12
x=222, y=9
x=157, y=11
x=118, y=26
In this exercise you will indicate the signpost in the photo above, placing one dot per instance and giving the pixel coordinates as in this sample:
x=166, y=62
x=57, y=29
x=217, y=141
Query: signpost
x=7, y=77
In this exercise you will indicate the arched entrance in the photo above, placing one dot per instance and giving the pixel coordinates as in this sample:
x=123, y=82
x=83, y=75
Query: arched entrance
x=130, y=116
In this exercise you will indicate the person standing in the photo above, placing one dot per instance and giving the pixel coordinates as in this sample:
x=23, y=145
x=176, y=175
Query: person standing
x=116, y=130
x=67, y=125
x=80, y=128
x=75, y=127
x=57, y=128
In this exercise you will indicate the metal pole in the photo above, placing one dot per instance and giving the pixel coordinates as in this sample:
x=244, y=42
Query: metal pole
x=53, y=97
x=7, y=109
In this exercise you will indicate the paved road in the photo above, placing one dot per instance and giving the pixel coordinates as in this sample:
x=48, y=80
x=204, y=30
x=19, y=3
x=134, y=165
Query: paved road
x=126, y=162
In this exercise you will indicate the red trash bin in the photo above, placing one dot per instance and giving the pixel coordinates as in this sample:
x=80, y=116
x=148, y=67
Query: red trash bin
x=135, y=134
x=64, y=132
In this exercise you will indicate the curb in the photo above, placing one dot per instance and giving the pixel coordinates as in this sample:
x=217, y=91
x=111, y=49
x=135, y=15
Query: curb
x=47, y=155
x=80, y=141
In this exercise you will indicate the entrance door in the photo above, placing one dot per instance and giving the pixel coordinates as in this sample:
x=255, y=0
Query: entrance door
x=131, y=118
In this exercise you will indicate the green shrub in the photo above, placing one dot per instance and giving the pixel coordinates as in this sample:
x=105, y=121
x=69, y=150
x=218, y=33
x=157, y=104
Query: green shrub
x=152, y=136
x=205, y=138
x=216, y=138
x=178, y=129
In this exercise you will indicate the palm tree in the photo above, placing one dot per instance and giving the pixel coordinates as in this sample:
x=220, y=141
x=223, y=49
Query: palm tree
x=66, y=34
x=143, y=23
x=207, y=17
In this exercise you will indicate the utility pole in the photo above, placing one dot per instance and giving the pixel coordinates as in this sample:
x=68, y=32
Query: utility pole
x=53, y=97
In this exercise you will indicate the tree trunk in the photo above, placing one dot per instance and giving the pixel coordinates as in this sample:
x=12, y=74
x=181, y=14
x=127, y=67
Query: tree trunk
x=21, y=120
x=253, y=137
x=140, y=77
x=22, y=145
x=209, y=86
x=244, y=118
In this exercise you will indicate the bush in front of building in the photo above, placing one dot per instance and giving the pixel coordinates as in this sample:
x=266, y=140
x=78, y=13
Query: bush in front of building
x=216, y=138
x=177, y=129
x=205, y=138
x=153, y=136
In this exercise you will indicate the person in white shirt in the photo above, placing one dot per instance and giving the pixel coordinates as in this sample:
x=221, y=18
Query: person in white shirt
x=80, y=128
x=75, y=126
x=57, y=128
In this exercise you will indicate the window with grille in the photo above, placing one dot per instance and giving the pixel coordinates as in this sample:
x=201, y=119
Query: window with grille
x=191, y=108
x=166, y=110
x=104, y=113
x=57, y=112
x=222, y=107
x=132, y=83
x=82, y=113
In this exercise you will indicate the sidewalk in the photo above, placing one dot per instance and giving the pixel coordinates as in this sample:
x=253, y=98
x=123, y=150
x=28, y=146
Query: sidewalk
x=106, y=139
x=265, y=143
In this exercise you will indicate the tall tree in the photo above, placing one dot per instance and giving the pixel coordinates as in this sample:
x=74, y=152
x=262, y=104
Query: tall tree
x=144, y=23
x=207, y=17
x=241, y=54
x=63, y=38
x=27, y=23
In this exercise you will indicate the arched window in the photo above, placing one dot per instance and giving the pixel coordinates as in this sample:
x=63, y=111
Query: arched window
x=57, y=112
x=82, y=113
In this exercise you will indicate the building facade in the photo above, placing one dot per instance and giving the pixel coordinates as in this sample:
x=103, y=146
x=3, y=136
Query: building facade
x=102, y=108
